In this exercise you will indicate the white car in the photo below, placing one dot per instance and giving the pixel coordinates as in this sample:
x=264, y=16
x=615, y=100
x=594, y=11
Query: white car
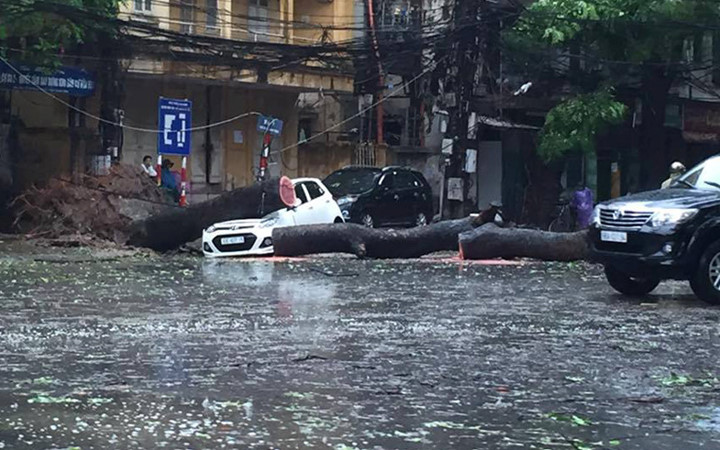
x=246, y=237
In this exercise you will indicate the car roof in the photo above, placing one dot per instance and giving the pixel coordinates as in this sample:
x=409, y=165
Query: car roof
x=388, y=168
x=352, y=167
x=303, y=180
x=378, y=169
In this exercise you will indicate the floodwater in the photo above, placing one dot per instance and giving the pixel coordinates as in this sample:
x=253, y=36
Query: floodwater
x=338, y=353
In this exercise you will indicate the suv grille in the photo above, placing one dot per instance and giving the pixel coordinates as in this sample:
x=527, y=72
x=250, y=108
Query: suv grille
x=624, y=220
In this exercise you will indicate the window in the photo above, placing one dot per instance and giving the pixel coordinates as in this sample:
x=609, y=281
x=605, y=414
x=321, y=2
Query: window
x=704, y=176
x=314, y=190
x=406, y=180
x=387, y=180
x=258, y=20
x=143, y=5
x=211, y=15
x=304, y=130
x=351, y=182
x=300, y=193
x=187, y=16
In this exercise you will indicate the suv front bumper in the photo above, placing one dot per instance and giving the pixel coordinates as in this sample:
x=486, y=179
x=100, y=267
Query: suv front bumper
x=644, y=254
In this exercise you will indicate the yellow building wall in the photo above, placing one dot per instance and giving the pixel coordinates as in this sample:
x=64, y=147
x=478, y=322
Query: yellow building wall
x=310, y=17
x=44, y=136
x=292, y=21
x=344, y=17
x=44, y=139
x=321, y=159
x=242, y=159
x=234, y=164
x=159, y=13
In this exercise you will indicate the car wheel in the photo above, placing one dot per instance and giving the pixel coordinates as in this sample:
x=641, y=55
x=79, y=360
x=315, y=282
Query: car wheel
x=338, y=220
x=367, y=220
x=421, y=220
x=625, y=284
x=706, y=281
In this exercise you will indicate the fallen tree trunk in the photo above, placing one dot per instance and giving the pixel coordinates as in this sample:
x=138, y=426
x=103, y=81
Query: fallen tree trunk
x=490, y=241
x=170, y=230
x=368, y=242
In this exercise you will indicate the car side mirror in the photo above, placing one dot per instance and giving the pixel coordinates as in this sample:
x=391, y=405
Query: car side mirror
x=295, y=204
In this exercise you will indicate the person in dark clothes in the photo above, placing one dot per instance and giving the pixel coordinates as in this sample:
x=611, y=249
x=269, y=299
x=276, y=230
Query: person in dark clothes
x=167, y=180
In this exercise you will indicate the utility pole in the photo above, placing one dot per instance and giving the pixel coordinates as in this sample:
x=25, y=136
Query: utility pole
x=461, y=80
x=380, y=81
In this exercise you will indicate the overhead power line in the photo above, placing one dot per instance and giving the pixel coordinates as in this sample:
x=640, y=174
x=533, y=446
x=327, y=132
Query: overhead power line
x=117, y=124
x=364, y=110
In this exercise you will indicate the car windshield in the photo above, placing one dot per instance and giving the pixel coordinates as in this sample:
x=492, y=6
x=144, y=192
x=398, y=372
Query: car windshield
x=705, y=175
x=351, y=182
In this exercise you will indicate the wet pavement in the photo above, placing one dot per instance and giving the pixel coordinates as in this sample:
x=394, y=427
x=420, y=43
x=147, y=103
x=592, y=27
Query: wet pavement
x=181, y=352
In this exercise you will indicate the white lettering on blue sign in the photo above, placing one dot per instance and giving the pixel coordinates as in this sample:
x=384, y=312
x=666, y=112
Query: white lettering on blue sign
x=175, y=121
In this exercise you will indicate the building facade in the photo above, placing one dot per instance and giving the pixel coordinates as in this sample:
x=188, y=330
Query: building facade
x=233, y=59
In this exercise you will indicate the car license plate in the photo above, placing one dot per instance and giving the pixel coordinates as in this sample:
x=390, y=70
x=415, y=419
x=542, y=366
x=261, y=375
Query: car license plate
x=232, y=240
x=613, y=236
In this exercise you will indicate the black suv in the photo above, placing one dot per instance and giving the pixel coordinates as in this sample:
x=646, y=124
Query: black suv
x=671, y=233
x=376, y=197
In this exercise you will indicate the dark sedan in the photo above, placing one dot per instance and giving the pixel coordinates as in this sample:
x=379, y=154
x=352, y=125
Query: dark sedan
x=393, y=196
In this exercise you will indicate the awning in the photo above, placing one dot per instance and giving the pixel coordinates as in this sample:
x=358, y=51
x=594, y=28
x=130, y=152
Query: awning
x=701, y=122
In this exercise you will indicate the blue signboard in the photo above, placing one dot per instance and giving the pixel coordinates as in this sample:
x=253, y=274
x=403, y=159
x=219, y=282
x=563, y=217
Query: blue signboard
x=267, y=124
x=174, y=123
x=65, y=80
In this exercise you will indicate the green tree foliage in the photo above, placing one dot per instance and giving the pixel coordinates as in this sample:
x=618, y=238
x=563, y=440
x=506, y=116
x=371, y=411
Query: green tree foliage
x=635, y=43
x=573, y=124
x=626, y=30
x=38, y=30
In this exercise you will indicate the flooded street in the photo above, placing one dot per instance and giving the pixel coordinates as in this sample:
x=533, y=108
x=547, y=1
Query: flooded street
x=181, y=352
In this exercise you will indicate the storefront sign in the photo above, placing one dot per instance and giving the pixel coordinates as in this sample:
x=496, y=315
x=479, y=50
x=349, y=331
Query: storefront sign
x=65, y=80
x=701, y=122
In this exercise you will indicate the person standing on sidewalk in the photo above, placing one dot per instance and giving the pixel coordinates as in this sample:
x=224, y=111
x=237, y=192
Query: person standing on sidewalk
x=168, y=181
x=147, y=166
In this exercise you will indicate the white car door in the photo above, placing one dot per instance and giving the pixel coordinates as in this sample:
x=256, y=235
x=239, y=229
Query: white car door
x=320, y=202
x=304, y=211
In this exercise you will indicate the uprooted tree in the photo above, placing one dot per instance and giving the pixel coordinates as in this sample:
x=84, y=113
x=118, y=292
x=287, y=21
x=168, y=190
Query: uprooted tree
x=127, y=207
x=369, y=242
x=171, y=229
x=490, y=241
x=477, y=238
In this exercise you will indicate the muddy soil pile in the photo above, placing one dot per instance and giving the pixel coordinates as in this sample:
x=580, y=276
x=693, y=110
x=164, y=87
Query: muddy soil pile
x=99, y=206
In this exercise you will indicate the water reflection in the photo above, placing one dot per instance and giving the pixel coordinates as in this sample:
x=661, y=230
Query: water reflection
x=303, y=298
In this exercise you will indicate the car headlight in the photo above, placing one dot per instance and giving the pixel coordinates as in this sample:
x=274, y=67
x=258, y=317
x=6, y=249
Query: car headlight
x=671, y=217
x=210, y=229
x=595, y=217
x=267, y=223
x=343, y=201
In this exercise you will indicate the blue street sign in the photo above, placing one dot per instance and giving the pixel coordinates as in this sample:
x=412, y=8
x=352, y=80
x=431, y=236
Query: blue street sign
x=64, y=80
x=270, y=125
x=174, y=122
